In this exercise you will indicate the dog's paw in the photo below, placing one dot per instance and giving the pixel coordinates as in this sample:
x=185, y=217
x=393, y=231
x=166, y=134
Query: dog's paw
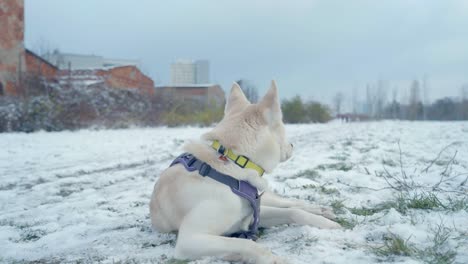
x=323, y=211
x=333, y=225
x=328, y=213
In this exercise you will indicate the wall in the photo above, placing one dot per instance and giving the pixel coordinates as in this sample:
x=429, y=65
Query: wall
x=128, y=77
x=11, y=43
x=36, y=66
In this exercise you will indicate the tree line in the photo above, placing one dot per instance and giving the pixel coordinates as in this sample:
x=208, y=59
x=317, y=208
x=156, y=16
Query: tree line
x=413, y=103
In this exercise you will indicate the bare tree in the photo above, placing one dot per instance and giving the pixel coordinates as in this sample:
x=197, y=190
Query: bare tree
x=395, y=110
x=337, y=102
x=415, y=104
x=354, y=99
x=249, y=90
x=425, y=91
x=381, y=97
x=463, y=112
x=370, y=100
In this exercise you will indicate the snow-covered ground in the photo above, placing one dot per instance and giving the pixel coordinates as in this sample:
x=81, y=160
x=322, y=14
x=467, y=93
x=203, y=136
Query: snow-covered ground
x=83, y=196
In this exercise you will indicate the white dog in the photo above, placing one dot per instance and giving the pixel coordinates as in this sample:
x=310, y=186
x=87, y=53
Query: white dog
x=204, y=210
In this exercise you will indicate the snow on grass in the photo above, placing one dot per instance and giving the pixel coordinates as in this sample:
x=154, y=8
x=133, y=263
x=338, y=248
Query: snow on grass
x=83, y=196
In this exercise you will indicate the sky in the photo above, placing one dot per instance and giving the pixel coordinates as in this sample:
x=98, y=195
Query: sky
x=311, y=48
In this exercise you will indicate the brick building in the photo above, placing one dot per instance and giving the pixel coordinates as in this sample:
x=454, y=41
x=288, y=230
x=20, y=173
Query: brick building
x=12, y=61
x=120, y=77
x=37, y=66
x=18, y=63
x=127, y=77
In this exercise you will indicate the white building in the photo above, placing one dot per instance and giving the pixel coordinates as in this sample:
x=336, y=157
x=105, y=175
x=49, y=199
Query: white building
x=190, y=72
x=202, y=68
x=65, y=61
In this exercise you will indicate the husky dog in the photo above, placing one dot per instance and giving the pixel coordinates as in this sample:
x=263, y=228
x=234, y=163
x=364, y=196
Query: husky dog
x=203, y=210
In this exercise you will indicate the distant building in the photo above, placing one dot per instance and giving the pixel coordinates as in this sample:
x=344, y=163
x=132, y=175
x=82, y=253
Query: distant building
x=185, y=72
x=17, y=63
x=120, y=77
x=66, y=61
x=12, y=62
x=200, y=93
x=202, y=69
x=38, y=67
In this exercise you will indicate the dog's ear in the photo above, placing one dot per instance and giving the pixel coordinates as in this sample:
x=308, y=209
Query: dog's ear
x=270, y=105
x=236, y=100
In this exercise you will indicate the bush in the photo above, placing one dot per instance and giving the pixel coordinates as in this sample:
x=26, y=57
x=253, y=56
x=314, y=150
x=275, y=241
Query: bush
x=192, y=113
x=297, y=111
x=78, y=107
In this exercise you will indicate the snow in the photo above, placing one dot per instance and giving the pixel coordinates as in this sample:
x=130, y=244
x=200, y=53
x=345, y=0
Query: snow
x=83, y=196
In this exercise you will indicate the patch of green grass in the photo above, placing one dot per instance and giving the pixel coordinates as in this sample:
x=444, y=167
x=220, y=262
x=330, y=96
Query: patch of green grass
x=346, y=223
x=340, y=157
x=366, y=211
x=439, y=252
x=457, y=204
x=404, y=202
x=363, y=211
x=32, y=235
x=341, y=166
x=425, y=201
x=367, y=149
x=308, y=174
x=338, y=206
x=394, y=245
x=322, y=189
x=326, y=190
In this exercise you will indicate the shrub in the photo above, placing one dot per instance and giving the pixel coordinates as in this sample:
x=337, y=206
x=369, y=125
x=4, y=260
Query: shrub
x=297, y=111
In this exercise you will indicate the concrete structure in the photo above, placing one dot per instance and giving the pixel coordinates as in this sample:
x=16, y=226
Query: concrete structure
x=202, y=69
x=66, y=61
x=183, y=72
x=12, y=61
x=187, y=72
x=200, y=93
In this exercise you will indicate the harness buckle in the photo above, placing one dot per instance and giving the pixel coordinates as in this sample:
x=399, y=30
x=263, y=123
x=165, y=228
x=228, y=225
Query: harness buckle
x=242, y=158
x=189, y=159
x=222, y=150
x=204, y=169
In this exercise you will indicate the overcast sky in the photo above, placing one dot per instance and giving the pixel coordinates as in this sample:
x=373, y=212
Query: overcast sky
x=312, y=48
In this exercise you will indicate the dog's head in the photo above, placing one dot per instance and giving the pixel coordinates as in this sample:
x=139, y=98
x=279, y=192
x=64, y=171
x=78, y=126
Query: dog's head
x=254, y=130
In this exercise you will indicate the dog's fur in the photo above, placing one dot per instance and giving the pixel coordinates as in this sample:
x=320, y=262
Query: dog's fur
x=203, y=210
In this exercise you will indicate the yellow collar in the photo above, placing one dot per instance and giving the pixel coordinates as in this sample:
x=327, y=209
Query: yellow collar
x=241, y=161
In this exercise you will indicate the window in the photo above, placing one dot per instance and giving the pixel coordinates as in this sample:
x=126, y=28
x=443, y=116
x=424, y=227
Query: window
x=1, y=88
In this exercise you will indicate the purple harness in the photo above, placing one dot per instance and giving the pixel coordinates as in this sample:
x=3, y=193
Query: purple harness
x=242, y=188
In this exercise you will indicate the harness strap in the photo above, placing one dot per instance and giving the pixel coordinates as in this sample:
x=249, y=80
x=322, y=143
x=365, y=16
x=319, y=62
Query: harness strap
x=241, y=188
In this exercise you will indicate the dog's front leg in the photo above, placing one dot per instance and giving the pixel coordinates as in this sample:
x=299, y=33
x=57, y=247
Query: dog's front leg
x=273, y=200
x=200, y=236
x=272, y=216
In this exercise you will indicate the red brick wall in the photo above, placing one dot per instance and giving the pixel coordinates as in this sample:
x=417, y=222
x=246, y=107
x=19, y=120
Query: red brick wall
x=128, y=77
x=12, y=21
x=38, y=67
x=11, y=43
